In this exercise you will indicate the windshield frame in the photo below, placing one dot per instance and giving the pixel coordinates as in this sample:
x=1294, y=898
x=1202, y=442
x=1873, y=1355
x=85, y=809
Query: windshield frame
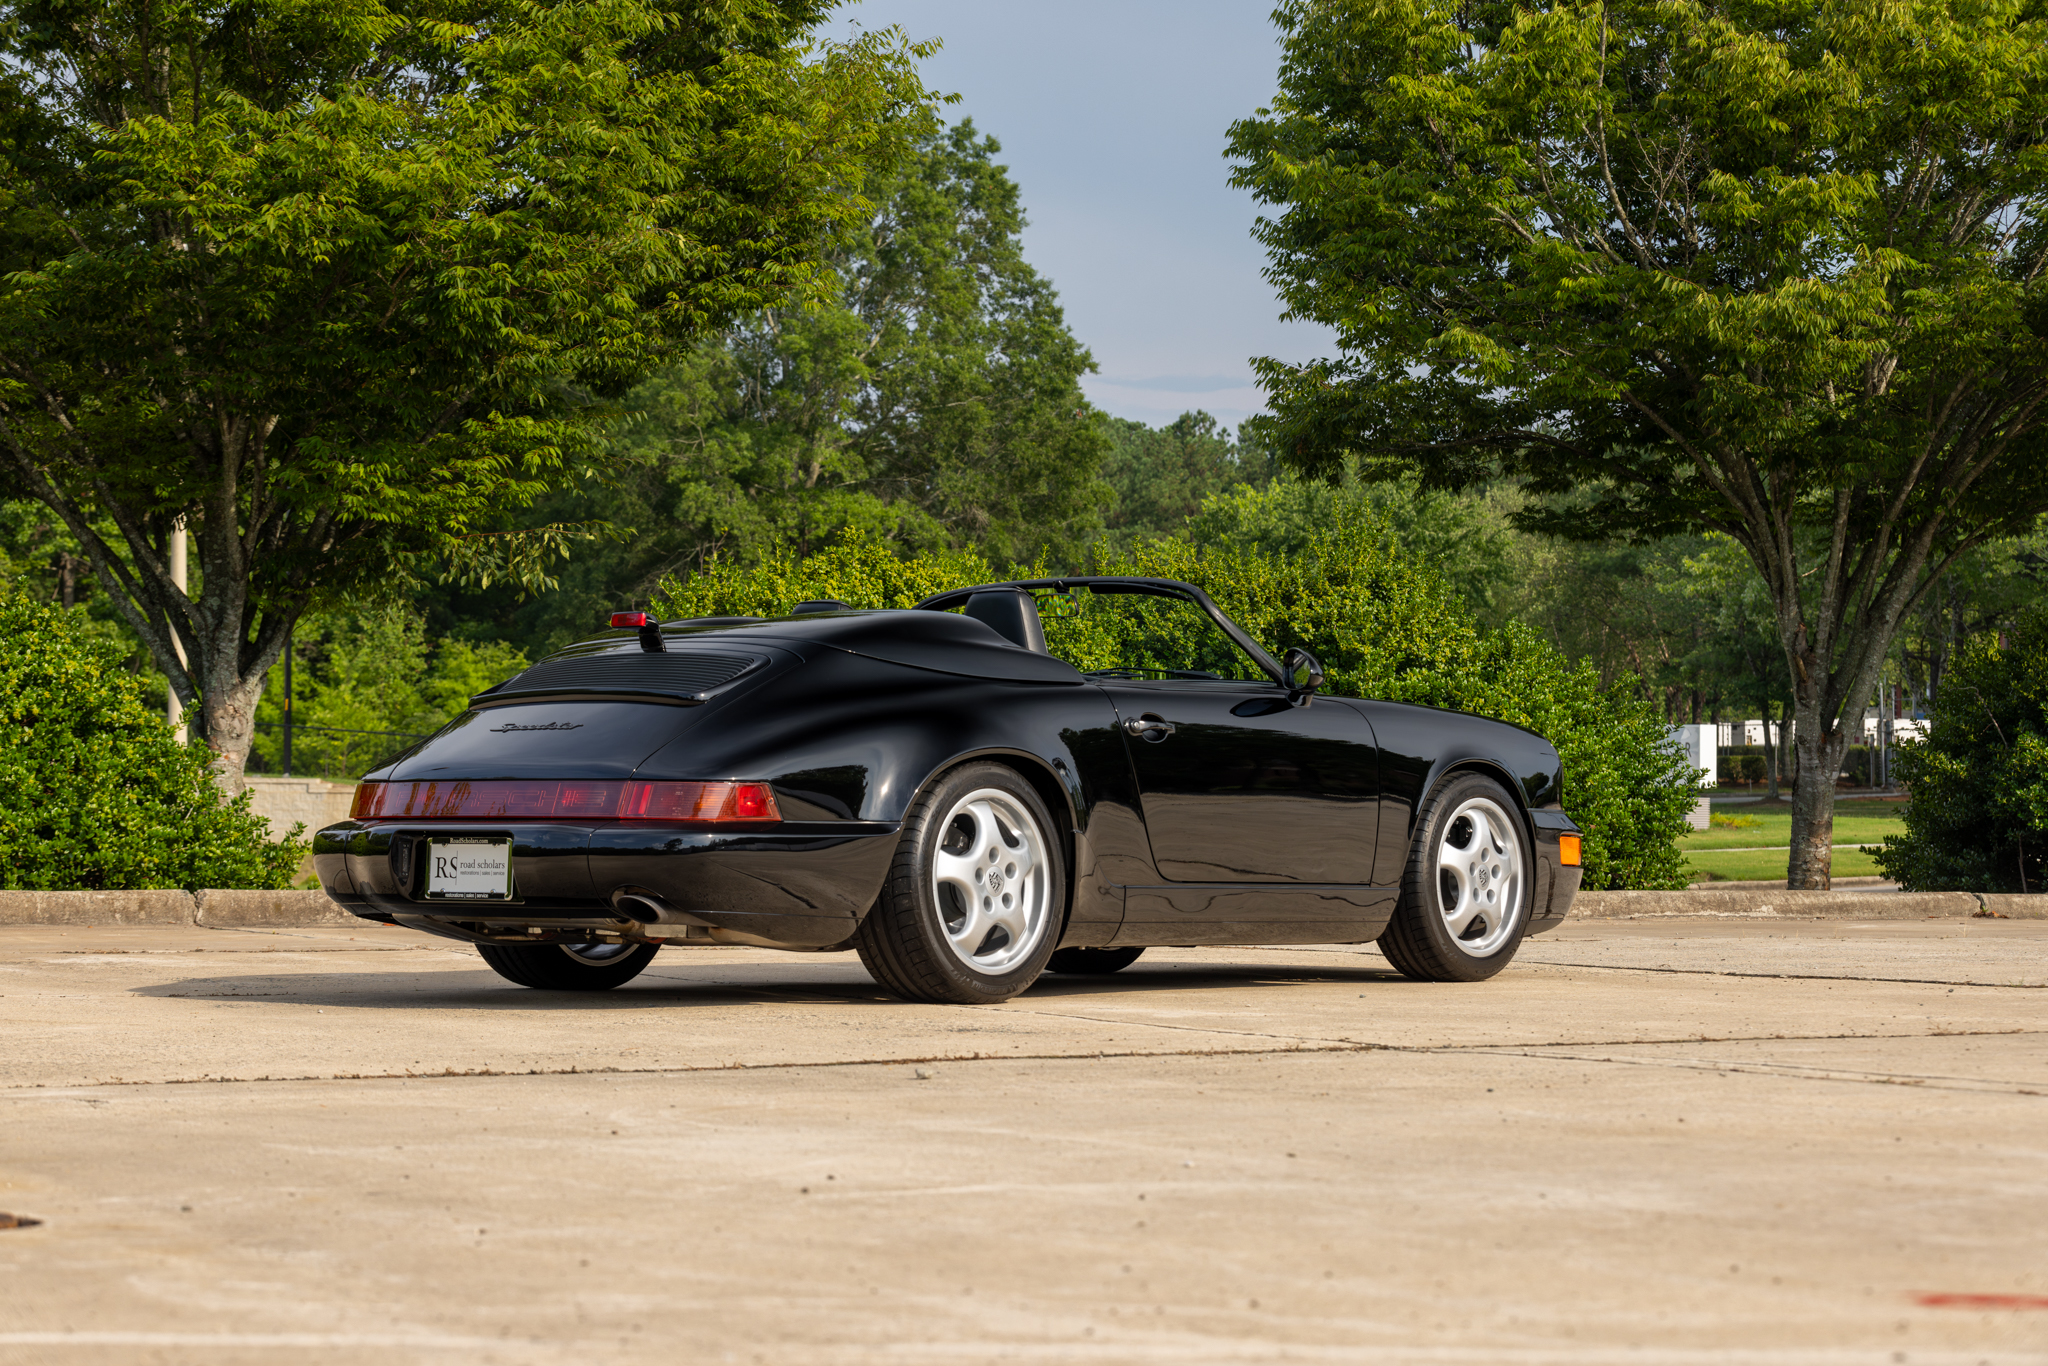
x=1161, y=588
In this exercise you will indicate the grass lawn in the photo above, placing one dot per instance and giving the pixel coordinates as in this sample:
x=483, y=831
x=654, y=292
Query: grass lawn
x=1856, y=822
x=1768, y=865
x=1758, y=852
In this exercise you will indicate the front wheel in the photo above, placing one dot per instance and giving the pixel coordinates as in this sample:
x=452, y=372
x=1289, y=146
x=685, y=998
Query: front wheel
x=1465, y=897
x=568, y=967
x=974, y=900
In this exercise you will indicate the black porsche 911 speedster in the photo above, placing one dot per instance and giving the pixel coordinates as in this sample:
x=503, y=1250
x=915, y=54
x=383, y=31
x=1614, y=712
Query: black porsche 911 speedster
x=1007, y=778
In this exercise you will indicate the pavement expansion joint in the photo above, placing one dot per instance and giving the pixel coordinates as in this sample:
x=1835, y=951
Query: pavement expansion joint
x=1300, y=1047
x=459, y=1073
x=1789, y=976
x=1796, y=1071
x=1191, y=1029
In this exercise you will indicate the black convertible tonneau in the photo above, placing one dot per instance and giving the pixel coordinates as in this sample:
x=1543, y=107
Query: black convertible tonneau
x=702, y=655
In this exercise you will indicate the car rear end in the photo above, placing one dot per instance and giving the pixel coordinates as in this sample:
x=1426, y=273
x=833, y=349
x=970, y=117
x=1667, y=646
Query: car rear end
x=615, y=791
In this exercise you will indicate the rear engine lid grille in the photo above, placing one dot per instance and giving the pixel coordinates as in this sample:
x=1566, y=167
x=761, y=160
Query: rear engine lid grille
x=685, y=674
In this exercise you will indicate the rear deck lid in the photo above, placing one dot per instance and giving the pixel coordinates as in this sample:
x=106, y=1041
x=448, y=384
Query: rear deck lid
x=612, y=669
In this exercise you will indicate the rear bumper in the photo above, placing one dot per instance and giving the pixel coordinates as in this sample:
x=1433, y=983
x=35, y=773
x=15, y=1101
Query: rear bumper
x=796, y=885
x=1556, y=883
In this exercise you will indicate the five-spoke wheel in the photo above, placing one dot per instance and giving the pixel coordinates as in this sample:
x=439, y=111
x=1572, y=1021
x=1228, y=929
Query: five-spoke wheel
x=988, y=880
x=973, y=903
x=1479, y=875
x=1465, y=899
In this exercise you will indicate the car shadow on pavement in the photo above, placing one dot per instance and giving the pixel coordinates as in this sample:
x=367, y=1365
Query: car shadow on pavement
x=1207, y=976
x=663, y=985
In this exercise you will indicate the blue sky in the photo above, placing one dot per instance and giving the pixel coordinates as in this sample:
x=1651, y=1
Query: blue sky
x=1112, y=116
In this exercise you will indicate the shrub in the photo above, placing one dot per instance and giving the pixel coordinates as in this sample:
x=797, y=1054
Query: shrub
x=1978, y=817
x=1384, y=625
x=95, y=790
x=858, y=571
x=1745, y=768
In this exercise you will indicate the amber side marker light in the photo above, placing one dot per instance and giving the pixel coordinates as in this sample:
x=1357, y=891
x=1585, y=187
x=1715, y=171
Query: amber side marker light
x=1568, y=850
x=706, y=803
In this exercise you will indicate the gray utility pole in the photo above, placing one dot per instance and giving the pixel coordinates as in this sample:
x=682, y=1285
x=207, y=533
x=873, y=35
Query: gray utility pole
x=1885, y=707
x=175, y=709
x=287, y=706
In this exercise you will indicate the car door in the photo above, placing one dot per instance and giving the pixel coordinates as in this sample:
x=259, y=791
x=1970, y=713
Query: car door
x=1238, y=784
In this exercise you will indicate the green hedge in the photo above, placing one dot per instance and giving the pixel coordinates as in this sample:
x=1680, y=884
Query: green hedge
x=1383, y=623
x=1978, y=818
x=95, y=791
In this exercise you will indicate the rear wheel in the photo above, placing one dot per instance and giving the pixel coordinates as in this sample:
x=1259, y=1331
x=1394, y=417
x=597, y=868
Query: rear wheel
x=973, y=903
x=568, y=967
x=1465, y=898
x=1092, y=962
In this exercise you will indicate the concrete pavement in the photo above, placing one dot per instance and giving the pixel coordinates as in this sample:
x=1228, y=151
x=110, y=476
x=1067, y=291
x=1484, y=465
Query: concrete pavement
x=1670, y=1141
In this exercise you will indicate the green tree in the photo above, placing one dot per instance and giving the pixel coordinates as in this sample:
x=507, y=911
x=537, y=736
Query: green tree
x=1160, y=475
x=1740, y=642
x=343, y=288
x=1978, y=821
x=95, y=792
x=367, y=684
x=1462, y=537
x=1988, y=589
x=1772, y=270
x=933, y=399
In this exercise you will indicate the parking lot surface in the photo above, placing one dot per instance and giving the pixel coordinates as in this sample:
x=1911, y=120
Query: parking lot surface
x=1679, y=1141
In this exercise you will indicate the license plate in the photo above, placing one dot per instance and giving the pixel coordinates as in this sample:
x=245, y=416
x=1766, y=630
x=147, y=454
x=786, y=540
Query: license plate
x=477, y=868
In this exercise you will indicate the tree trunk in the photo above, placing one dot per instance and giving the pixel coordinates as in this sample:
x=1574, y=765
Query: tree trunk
x=229, y=643
x=1821, y=743
x=229, y=705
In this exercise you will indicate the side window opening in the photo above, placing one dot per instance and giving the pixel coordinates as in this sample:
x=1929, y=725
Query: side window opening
x=1140, y=635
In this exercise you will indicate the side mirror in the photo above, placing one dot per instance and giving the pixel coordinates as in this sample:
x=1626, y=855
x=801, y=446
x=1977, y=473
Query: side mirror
x=1304, y=673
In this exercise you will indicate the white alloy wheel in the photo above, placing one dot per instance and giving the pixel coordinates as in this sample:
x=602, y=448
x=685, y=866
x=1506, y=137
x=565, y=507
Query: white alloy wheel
x=991, y=883
x=1482, y=876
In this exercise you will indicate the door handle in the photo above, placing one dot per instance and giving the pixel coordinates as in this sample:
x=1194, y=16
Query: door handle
x=1148, y=727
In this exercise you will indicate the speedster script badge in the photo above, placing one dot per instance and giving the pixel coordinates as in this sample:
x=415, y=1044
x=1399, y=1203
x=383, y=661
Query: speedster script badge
x=552, y=725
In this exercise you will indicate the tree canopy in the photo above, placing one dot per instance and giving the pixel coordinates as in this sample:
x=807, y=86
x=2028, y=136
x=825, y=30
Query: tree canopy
x=1767, y=269
x=342, y=288
x=928, y=397
x=931, y=398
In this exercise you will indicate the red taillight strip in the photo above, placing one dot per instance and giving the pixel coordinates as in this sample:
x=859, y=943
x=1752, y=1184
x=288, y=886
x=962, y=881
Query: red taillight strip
x=569, y=799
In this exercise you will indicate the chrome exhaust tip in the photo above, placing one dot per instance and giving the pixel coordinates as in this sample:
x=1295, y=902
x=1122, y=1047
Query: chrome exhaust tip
x=645, y=908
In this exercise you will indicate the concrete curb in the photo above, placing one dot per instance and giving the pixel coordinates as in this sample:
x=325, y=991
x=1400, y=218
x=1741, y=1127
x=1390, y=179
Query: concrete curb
x=97, y=908
x=2011, y=906
x=212, y=909
x=228, y=909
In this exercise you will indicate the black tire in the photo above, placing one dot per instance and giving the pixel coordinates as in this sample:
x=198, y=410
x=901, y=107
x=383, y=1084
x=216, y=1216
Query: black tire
x=1466, y=814
x=568, y=967
x=1091, y=962
x=924, y=940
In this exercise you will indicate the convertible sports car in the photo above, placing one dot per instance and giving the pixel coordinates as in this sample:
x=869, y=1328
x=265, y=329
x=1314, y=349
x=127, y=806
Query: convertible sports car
x=1051, y=773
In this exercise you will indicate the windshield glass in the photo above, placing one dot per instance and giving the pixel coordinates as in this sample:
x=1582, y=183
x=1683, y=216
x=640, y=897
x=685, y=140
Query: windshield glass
x=1140, y=635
